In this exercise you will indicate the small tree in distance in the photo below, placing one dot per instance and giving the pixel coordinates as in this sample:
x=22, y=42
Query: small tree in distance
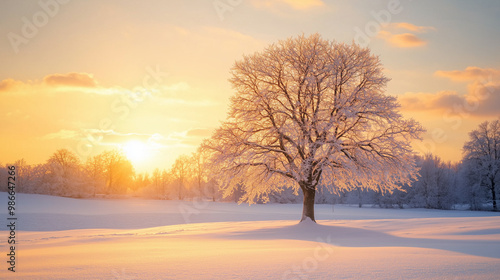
x=308, y=111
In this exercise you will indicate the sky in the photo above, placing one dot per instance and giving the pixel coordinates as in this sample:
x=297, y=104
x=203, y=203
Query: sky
x=151, y=77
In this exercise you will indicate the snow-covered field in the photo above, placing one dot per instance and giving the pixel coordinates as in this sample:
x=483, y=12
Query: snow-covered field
x=63, y=238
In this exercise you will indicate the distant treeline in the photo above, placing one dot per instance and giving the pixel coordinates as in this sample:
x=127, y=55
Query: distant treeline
x=109, y=174
x=439, y=185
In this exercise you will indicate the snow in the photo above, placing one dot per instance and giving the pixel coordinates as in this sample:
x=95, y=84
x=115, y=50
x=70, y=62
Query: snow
x=63, y=238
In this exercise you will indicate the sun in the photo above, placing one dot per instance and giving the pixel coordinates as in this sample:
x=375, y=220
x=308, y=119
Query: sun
x=136, y=151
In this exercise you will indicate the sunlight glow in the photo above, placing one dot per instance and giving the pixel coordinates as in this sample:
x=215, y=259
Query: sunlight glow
x=137, y=151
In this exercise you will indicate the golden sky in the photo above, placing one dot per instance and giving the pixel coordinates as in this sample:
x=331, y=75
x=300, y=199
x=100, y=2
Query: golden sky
x=151, y=76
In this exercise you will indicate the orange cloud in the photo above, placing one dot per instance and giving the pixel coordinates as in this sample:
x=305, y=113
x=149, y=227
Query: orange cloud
x=480, y=100
x=391, y=34
x=9, y=85
x=428, y=101
x=405, y=40
x=70, y=79
x=411, y=27
x=470, y=73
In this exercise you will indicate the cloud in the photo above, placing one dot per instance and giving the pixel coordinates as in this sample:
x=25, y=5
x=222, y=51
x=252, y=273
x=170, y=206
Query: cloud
x=10, y=85
x=410, y=27
x=70, y=79
x=299, y=5
x=429, y=101
x=85, y=83
x=111, y=136
x=470, y=73
x=62, y=134
x=480, y=100
x=78, y=81
x=391, y=34
x=405, y=40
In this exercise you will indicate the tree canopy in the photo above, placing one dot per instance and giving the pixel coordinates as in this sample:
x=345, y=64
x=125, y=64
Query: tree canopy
x=309, y=111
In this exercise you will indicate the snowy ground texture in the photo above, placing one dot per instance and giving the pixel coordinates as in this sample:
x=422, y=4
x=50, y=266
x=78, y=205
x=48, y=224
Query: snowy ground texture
x=63, y=238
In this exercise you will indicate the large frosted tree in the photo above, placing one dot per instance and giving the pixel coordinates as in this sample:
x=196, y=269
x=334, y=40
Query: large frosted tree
x=309, y=111
x=482, y=156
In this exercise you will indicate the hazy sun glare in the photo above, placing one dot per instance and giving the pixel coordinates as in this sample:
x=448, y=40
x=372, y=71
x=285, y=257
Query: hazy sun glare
x=137, y=151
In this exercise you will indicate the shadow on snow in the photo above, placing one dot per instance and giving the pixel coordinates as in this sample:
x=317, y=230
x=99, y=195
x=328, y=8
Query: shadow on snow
x=357, y=237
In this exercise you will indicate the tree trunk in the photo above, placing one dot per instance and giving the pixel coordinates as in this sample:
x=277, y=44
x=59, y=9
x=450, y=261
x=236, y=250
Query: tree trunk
x=360, y=198
x=308, y=206
x=493, y=194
